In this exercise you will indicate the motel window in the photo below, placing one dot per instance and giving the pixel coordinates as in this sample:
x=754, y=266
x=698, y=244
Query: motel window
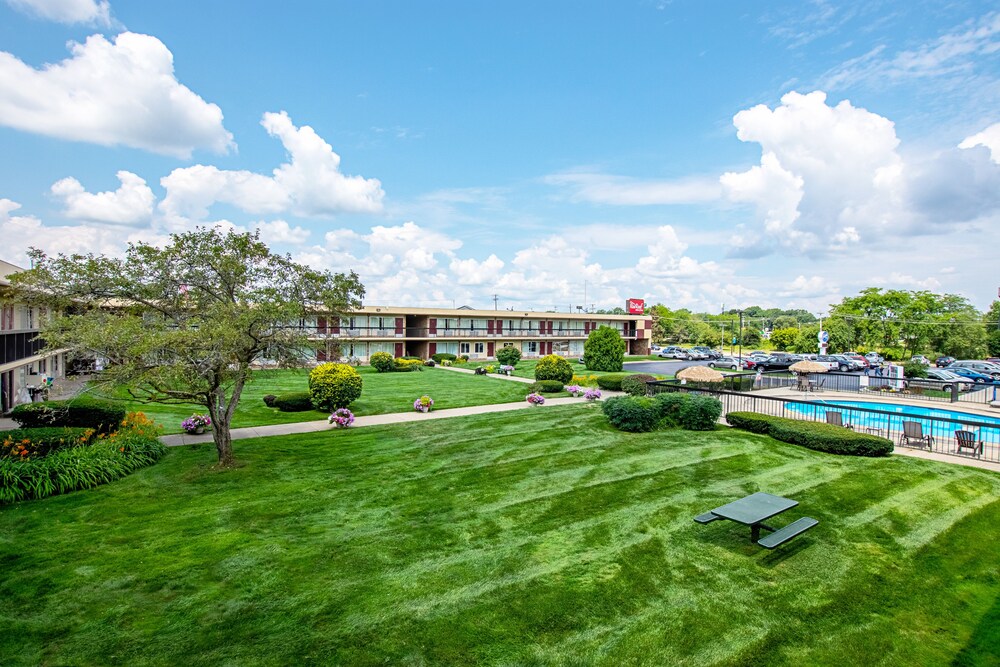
x=532, y=347
x=508, y=344
x=479, y=348
x=463, y=348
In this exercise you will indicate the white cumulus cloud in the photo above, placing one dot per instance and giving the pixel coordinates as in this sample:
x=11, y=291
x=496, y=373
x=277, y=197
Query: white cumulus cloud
x=309, y=184
x=279, y=232
x=93, y=12
x=122, y=92
x=130, y=204
x=990, y=138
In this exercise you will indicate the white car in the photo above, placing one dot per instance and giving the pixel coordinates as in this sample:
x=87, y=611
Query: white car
x=673, y=352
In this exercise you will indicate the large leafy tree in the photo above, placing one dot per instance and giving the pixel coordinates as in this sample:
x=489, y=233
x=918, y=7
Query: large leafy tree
x=183, y=323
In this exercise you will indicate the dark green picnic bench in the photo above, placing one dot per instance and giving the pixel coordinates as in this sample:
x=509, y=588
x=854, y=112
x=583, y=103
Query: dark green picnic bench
x=753, y=511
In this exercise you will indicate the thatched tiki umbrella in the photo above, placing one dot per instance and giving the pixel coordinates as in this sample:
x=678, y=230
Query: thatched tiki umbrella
x=700, y=374
x=805, y=367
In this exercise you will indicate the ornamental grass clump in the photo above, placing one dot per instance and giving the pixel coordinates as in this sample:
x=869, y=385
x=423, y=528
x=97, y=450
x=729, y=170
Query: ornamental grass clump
x=341, y=418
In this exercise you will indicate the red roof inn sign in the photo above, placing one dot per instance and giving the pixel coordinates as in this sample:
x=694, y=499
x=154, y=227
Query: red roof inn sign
x=636, y=306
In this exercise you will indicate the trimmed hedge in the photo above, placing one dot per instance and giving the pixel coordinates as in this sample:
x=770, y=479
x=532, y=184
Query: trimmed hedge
x=298, y=401
x=553, y=367
x=23, y=442
x=545, y=387
x=269, y=400
x=631, y=413
x=135, y=445
x=635, y=385
x=611, y=381
x=382, y=362
x=105, y=416
x=405, y=365
x=699, y=413
x=442, y=356
x=334, y=386
x=812, y=435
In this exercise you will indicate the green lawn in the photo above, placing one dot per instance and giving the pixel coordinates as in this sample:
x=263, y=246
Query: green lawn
x=540, y=538
x=383, y=393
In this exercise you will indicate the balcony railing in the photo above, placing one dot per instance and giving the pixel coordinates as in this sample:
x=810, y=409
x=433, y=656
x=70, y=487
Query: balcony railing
x=17, y=346
x=426, y=332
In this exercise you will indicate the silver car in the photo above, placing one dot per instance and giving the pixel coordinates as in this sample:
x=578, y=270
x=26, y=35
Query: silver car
x=725, y=362
x=981, y=366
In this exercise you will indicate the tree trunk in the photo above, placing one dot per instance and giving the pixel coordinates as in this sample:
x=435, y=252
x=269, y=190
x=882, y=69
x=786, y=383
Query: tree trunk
x=221, y=420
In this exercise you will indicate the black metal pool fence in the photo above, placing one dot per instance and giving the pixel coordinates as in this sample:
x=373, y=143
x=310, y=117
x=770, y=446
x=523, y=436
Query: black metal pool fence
x=939, y=424
x=916, y=388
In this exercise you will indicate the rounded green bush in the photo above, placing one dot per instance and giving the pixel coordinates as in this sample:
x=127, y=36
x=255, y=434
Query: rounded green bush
x=636, y=384
x=443, y=356
x=508, y=356
x=296, y=401
x=269, y=400
x=553, y=367
x=669, y=404
x=699, y=413
x=604, y=350
x=334, y=386
x=545, y=387
x=611, y=381
x=382, y=362
x=631, y=413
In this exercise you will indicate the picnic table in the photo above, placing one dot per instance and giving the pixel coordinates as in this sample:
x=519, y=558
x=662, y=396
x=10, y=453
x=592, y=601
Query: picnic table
x=754, y=510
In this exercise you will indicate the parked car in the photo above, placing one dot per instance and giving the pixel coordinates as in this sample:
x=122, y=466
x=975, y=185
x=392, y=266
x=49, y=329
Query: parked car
x=978, y=377
x=874, y=358
x=673, y=352
x=857, y=357
x=993, y=370
x=993, y=360
x=831, y=362
x=776, y=362
x=724, y=362
x=846, y=364
x=921, y=359
x=696, y=354
x=943, y=362
x=949, y=378
x=704, y=349
x=749, y=364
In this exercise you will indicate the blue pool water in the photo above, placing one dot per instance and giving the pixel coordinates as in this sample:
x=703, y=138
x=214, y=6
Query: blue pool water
x=931, y=418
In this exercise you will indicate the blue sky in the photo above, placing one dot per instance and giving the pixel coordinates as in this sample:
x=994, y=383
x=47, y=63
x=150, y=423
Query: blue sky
x=692, y=153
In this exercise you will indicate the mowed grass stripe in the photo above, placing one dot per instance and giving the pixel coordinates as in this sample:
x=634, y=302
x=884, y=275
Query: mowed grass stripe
x=331, y=550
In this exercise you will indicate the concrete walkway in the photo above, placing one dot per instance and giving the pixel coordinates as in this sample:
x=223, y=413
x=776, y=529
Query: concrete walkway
x=372, y=420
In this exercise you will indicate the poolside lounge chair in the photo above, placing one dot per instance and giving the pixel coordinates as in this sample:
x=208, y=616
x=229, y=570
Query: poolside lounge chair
x=913, y=431
x=837, y=419
x=969, y=440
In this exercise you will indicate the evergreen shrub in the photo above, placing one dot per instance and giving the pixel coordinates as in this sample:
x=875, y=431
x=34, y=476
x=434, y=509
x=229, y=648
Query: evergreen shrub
x=508, y=356
x=812, y=435
x=334, y=386
x=554, y=367
x=604, y=350
x=636, y=384
x=611, y=381
x=104, y=416
x=631, y=413
x=296, y=401
x=382, y=362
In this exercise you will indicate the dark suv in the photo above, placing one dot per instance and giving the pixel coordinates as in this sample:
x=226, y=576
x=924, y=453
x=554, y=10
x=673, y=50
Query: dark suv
x=776, y=362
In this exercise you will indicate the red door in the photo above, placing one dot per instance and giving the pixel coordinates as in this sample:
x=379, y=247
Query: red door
x=490, y=327
x=399, y=349
x=399, y=329
x=321, y=325
x=320, y=355
x=432, y=327
x=432, y=349
x=491, y=348
x=586, y=327
x=499, y=326
x=335, y=326
x=550, y=333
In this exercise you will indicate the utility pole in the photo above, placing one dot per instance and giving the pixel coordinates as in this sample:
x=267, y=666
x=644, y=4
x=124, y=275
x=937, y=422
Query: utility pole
x=495, y=298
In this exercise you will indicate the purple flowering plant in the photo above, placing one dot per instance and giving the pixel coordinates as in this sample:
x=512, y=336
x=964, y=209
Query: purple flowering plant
x=341, y=418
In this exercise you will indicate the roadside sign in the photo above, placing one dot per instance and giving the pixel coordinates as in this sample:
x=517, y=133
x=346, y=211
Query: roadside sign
x=824, y=336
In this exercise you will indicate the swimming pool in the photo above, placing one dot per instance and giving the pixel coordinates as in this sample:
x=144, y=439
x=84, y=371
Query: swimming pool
x=936, y=421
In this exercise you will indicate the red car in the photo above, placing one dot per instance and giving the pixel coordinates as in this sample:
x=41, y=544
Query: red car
x=749, y=364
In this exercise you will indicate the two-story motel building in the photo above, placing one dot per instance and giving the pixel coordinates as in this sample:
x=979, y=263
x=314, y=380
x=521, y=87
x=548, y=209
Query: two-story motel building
x=423, y=332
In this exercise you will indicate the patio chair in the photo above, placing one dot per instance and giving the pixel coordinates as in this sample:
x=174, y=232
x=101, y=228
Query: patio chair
x=817, y=386
x=837, y=419
x=914, y=432
x=969, y=440
x=803, y=383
